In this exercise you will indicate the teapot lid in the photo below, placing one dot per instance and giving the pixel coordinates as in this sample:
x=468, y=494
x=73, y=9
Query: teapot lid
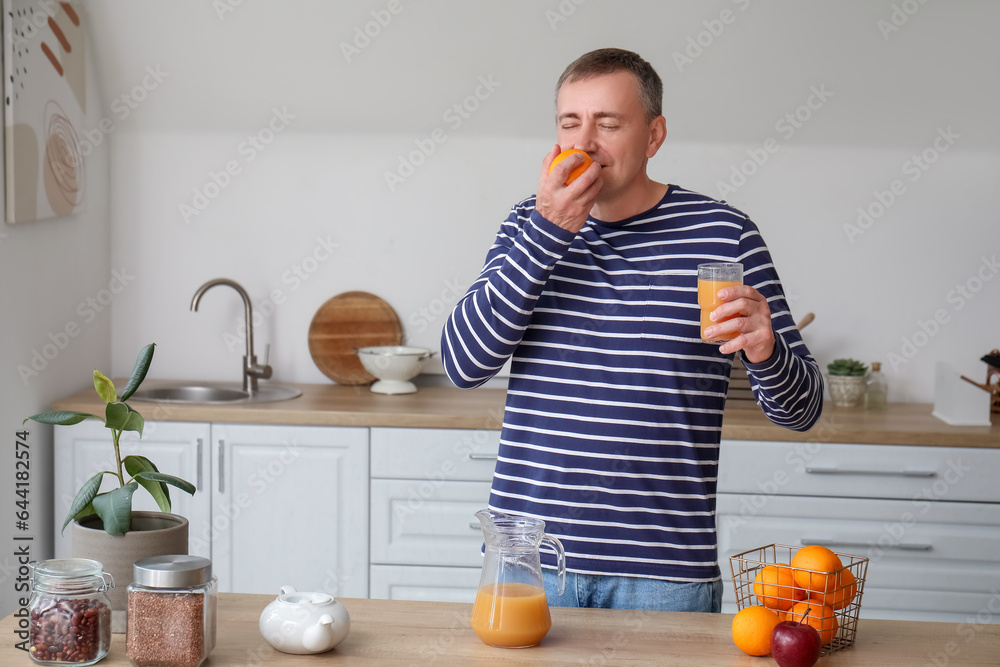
x=174, y=571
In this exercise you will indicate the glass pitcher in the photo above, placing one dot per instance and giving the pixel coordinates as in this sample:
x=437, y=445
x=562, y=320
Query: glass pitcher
x=510, y=609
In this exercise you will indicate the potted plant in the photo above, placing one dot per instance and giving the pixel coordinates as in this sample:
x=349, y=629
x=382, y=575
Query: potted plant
x=105, y=527
x=847, y=381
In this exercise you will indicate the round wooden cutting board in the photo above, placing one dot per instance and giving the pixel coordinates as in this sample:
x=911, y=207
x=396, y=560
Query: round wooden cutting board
x=345, y=323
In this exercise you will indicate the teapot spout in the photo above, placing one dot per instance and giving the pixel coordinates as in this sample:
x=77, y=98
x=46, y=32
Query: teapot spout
x=319, y=637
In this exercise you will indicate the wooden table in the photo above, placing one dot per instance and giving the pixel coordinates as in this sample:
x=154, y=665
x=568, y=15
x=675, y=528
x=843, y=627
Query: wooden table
x=385, y=632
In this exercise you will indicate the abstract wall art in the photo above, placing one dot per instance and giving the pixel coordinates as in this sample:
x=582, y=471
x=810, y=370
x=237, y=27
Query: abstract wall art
x=45, y=102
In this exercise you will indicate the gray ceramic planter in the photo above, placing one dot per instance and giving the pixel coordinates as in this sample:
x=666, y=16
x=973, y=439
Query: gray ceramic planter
x=151, y=534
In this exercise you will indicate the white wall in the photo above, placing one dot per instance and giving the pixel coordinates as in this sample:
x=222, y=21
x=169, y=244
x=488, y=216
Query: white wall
x=50, y=341
x=733, y=70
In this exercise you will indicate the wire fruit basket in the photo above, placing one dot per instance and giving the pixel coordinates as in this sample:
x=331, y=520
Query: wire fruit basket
x=845, y=606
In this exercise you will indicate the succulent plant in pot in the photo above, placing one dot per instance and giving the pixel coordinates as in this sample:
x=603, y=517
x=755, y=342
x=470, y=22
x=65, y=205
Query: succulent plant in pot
x=105, y=528
x=846, y=380
x=847, y=367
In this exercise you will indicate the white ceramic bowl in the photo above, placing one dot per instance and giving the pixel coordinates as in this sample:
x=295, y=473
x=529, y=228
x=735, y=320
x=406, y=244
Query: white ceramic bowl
x=394, y=366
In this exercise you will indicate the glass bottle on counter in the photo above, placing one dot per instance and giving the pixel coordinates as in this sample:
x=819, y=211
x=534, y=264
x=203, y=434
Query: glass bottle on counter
x=171, y=611
x=70, y=614
x=877, y=389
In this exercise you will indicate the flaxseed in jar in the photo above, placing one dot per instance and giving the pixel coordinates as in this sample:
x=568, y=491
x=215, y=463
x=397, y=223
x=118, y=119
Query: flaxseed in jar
x=171, y=611
x=70, y=615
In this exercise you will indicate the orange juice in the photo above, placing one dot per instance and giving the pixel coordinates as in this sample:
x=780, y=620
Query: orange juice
x=708, y=299
x=511, y=615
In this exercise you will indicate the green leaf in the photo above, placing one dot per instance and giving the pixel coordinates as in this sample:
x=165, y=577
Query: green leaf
x=105, y=387
x=134, y=422
x=122, y=417
x=181, y=484
x=116, y=416
x=85, y=512
x=137, y=466
x=61, y=417
x=115, y=508
x=84, y=497
x=139, y=371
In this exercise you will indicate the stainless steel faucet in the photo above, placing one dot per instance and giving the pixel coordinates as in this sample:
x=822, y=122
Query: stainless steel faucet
x=251, y=369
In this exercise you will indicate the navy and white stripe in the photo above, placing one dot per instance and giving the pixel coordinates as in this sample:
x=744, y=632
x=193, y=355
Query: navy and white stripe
x=614, y=404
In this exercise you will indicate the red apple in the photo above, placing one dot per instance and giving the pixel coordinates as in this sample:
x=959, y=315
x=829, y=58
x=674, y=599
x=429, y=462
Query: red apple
x=795, y=644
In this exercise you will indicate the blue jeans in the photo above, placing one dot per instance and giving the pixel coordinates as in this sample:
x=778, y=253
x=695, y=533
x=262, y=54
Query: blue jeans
x=610, y=592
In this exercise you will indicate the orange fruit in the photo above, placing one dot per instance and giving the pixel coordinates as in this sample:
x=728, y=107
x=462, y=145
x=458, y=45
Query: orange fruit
x=752, y=628
x=819, y=559
x=844, y=590
x=573, y=175
x=775, y=587
x=820, y=617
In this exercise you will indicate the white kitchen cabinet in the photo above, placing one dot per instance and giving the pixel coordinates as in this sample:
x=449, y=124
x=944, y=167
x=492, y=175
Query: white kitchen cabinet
x=432, y=525
x=290, y=507
x=177, y=448
x=927, y=518
x=415, y=582
x=426, y=486
x=275, y=505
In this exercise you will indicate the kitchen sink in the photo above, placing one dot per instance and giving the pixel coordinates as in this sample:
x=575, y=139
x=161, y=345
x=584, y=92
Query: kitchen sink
x=211, y=392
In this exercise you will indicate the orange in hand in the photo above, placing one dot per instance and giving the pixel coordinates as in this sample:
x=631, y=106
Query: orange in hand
x=775, y=587
x=819, y=559
x=573, y=175
x=752, y=627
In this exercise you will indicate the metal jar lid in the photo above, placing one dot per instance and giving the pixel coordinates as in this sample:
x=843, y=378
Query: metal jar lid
x=176, y=571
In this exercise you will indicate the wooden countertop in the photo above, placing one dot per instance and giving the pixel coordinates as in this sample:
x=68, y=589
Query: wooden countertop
x=385, y=632
x=448, y=407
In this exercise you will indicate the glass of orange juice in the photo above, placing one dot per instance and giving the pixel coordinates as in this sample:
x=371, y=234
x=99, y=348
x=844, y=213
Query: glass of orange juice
x=712, y=278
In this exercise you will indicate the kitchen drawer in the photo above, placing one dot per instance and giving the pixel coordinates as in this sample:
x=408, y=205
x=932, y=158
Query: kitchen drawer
x=927, y=561
x=413, y=582
x=434, y=454
x=859, y=471
x=416, y=522
x=883, y=531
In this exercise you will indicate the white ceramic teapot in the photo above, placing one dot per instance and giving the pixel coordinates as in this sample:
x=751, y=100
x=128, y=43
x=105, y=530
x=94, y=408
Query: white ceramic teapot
x=304, y=622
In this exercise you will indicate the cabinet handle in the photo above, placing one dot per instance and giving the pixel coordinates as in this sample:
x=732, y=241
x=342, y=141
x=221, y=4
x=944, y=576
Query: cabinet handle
x=482, y=457
x=199, y=477
x=222, y=466
x=904, y=546
x=833, y=470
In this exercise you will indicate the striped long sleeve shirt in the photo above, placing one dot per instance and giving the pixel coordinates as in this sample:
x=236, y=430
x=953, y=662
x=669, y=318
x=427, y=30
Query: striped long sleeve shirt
x=614, y=403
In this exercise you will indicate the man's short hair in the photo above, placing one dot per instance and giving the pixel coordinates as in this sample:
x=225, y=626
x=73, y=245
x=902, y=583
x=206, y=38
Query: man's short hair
x=609, y=61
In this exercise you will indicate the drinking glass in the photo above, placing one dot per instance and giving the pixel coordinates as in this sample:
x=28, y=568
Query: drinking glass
x=712, y=278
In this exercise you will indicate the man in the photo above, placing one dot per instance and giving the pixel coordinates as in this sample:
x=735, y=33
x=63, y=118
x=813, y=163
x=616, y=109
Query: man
x=614, y=403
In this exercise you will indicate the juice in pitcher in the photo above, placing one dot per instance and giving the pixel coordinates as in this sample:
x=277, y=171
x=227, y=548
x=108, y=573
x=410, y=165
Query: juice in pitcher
x=511, y=615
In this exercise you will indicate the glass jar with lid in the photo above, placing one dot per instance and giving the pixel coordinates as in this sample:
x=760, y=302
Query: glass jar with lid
x=171, y=611
x=69, y=611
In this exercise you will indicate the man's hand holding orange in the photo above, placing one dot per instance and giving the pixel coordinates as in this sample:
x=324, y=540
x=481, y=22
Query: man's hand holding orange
x=563, y=200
